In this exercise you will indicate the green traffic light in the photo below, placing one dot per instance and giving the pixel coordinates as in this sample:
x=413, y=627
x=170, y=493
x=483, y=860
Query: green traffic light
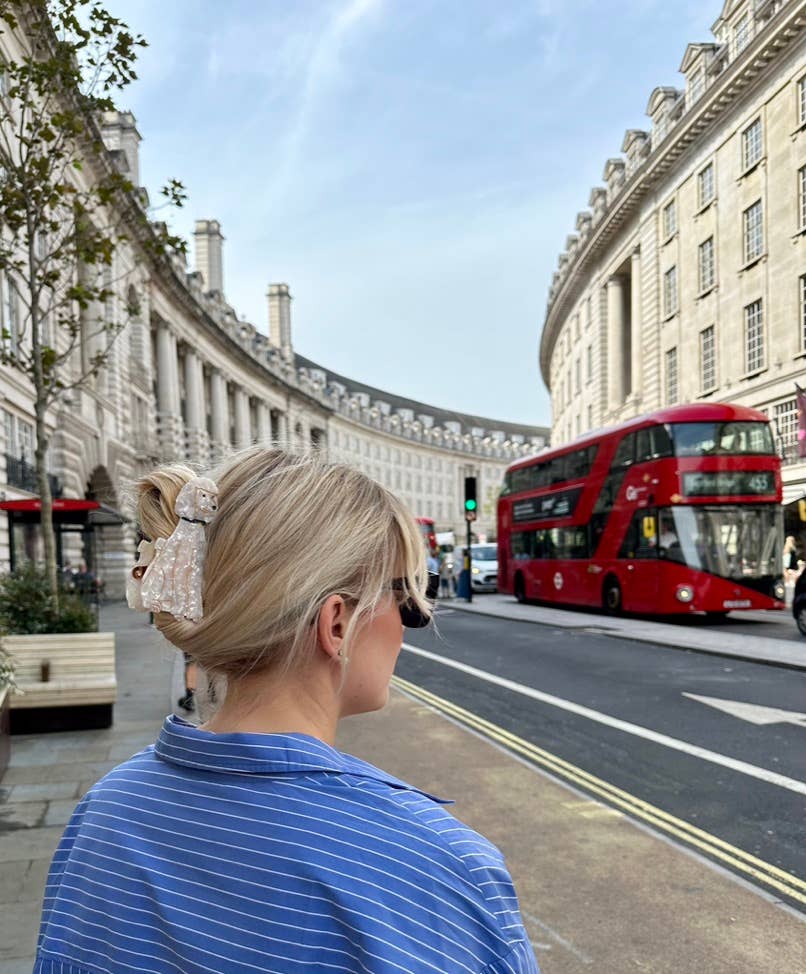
x=470, y=505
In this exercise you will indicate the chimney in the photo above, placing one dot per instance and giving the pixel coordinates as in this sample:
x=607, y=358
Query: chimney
x=208, y=254
x=280, y=319
x=121, y=137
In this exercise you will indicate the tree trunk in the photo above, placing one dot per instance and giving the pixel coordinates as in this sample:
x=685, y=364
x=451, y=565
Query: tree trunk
x=46, y=513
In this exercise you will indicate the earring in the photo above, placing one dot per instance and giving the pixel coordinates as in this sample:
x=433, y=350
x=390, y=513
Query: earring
x=342, y=658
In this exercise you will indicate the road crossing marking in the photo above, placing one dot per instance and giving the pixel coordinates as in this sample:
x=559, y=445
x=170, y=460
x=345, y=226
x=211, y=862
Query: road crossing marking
x=752, y=712
x=754, y=771
x=744, y=862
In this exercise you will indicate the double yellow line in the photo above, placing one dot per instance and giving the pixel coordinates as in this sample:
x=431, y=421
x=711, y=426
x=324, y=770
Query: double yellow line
x=756, y=869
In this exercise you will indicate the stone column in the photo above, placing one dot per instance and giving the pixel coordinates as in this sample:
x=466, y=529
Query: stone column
x=263, y=432
x=243, y=432
x=169, y=418
x=220, y=412
x=615, y=342
x=198, y=442
x=636, y=345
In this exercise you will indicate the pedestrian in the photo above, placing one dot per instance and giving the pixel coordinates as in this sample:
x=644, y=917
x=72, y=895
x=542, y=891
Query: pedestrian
x=791, y=567
x=446, y=577
x=187, y=700
x=250, y=843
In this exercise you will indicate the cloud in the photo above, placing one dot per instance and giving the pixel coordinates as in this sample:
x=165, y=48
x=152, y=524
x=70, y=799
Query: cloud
x=322, y=71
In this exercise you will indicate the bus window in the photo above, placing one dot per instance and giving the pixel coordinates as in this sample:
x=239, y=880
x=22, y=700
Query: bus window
x=625, y=454
x=640, y=539
x=652, y=443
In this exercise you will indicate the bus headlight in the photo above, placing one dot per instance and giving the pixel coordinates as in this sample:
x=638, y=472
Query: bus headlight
x=476, y=571
x=684, y=593
x=779, y=591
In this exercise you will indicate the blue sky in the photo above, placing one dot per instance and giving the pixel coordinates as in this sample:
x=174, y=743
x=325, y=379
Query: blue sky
x=411, y=168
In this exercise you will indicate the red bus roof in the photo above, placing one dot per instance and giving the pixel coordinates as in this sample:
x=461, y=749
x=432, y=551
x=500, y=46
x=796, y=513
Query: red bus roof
x=702, y=412
x=424, y=520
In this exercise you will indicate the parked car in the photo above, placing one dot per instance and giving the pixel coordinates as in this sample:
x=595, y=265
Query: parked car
x=799, y=603
x=484, y=566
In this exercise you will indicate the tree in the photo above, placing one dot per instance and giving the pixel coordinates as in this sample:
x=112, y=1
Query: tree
x=66, y=208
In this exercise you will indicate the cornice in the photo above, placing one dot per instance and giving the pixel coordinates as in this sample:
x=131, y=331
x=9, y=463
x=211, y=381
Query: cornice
x=734, y=82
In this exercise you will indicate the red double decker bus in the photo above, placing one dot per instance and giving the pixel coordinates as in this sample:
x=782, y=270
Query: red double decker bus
x=429, y=535
x=676, y=511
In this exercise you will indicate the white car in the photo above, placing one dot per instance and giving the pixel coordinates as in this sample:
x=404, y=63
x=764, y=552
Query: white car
x=483, y=566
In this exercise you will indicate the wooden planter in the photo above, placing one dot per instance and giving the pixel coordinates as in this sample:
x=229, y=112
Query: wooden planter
x=68, y=681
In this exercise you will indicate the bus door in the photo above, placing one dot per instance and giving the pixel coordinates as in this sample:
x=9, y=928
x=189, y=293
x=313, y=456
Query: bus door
x=638, y=557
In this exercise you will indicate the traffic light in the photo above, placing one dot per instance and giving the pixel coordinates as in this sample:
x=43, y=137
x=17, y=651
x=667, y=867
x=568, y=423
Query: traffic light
x=470, y=499
x=802, y=509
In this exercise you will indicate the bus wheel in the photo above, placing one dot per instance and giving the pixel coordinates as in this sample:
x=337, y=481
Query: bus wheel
x=520, y=588
x=611, y=596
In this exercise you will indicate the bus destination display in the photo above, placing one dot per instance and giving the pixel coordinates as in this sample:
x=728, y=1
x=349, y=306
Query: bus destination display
x=720, y=483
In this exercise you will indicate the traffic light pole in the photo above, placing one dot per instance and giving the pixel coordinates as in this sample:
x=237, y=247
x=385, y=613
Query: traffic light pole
x=469, y=561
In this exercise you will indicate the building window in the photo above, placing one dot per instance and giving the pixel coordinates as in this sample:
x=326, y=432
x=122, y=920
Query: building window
x=753, y=232
x=753, y=337
x=669, y=220
x=589, y=363
x=707, y=359
x=802, y=198
x=576, y=328
x=706, y=265
x=671, y=376
x=802, y=101
x=590, y=417
x=741, y=34
x=696, y=85
x=588, y=305
x=751, y=144
x=578, y=376
x=803, y=312
x=19, y=438
x=705, y=185
x=670, y=292
x=9, y=313
x=785, y=417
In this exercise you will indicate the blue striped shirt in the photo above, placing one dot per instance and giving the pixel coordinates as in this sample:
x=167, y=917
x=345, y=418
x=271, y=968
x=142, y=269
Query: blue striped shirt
x=236, y=853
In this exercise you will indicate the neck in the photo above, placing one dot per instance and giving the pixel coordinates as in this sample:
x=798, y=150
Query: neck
x=295, y=704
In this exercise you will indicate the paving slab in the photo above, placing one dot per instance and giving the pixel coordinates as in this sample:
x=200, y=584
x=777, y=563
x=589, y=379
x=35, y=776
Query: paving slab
x=22, y=815
x=43, y=791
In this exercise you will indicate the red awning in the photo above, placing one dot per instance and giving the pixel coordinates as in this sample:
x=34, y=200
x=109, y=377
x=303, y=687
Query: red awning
x=59, y=504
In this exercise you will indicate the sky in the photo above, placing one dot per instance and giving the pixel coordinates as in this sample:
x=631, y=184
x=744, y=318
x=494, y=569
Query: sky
x=410, y=168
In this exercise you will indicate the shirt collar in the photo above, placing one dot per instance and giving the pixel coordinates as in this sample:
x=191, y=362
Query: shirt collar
x=182, y=743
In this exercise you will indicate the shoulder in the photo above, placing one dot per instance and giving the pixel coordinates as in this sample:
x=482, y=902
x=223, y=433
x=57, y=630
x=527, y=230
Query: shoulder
x=426, y=827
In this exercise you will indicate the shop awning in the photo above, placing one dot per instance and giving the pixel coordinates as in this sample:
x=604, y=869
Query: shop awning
x=66, y=510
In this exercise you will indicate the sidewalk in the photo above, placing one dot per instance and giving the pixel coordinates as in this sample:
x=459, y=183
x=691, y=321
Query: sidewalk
x=763, y=649
x=598, y=893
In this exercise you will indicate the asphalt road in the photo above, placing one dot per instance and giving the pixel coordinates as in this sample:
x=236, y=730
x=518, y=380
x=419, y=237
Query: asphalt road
x=643, y=685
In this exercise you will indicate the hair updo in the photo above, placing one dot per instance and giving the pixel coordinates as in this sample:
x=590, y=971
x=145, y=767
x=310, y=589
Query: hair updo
x=290, y=531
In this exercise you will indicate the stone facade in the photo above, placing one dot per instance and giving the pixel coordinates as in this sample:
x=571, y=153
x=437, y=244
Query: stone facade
x=686, y=279
x=188, y=380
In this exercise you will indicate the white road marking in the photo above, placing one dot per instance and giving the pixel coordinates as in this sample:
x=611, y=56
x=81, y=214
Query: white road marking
x=752, y=712
x=752, y=770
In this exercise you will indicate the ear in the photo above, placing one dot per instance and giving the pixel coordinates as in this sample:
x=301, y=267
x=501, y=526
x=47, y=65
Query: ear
x=332, y=625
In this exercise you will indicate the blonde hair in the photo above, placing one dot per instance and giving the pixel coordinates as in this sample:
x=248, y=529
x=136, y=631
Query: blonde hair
x=290, y=531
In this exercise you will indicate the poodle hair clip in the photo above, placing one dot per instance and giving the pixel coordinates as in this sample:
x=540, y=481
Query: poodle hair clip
x=168, y=574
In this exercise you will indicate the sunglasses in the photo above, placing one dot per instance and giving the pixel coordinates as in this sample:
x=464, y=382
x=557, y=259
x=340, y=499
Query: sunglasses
x=410, y=615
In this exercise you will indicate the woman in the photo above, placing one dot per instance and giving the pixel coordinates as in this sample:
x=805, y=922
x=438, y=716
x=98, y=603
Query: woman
x=250, y=843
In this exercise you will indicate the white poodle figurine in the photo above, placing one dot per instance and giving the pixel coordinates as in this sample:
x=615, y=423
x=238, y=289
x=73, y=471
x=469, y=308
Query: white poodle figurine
x=172, y=581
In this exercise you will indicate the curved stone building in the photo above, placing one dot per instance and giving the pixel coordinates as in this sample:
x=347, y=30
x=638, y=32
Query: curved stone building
x=189, y=380
x=685, y=279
